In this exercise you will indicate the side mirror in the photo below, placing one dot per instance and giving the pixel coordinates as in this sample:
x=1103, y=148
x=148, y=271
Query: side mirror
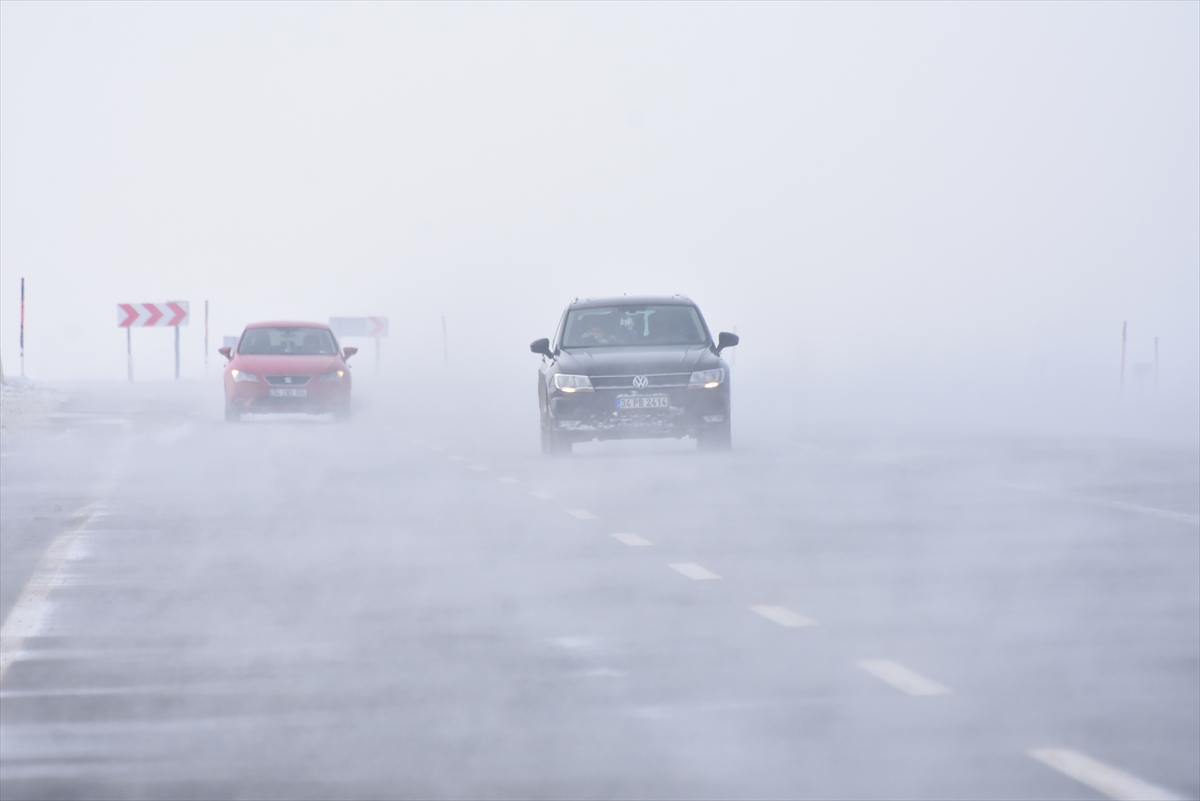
x=227, y=352
x=726, y=340
x=348, y=352
x=542, y=347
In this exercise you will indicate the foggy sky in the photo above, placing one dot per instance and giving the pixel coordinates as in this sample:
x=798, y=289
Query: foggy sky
x=905, y=210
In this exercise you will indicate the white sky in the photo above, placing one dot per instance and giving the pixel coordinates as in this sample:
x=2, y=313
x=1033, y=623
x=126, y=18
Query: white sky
x=891, y=202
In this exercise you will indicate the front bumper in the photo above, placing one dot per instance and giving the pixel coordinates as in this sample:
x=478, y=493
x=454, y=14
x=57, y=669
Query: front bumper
x=255, y=397
x=583, y=416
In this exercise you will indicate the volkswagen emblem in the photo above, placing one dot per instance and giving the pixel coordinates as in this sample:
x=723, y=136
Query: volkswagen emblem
x=640, y=382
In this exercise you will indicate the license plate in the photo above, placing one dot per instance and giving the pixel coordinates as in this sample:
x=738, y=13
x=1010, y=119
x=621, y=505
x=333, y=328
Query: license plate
x=643, y=402
x=289, y=393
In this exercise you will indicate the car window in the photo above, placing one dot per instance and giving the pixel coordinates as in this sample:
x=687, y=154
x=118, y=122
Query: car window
x=558, y=333
x=295, y=341
x=633, y=325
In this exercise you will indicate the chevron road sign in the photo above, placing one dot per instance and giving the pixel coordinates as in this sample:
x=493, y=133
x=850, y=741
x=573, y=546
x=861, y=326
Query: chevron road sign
x=375, y=327
x=151, y=315
x=359, y=326
x=145, y=315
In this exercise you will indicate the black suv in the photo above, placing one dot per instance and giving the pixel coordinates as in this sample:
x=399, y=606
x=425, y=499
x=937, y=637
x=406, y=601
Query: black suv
x=633, y=367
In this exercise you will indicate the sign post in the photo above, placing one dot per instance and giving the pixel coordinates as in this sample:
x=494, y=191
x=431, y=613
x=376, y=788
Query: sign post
x=375, y=327
x=151, y=315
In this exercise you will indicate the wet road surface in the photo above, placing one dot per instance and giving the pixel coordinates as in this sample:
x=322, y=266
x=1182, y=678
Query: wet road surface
x=394, y=608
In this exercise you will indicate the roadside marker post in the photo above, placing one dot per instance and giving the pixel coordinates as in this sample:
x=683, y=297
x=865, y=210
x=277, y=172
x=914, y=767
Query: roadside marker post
x=22, y=328
x=374, y=327
x=151, y=315
x=1124, y=328
x=205, y=339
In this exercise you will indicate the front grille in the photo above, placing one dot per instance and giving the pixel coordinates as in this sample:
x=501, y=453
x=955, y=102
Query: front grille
x=626, y=381
x=288, y=380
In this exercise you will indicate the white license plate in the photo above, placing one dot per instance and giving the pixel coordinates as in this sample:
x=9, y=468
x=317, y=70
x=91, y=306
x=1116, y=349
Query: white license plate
x=289, y=393
x=643, y=402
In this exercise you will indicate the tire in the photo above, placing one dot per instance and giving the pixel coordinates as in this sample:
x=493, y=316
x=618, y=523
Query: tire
x=554, y=444
x=232, y=415
x=717, y=438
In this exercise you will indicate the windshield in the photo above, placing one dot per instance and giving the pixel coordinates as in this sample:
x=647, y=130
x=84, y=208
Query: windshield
x=633, y=325
x=294, y=341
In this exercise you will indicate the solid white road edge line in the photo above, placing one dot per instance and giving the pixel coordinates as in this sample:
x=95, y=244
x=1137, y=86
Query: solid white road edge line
x=1102, y=778
x=581, y=514
x=542, y=495
x=1165, y=514
x=902, y=678
x=480, y=468
x=632, y=540
x=694, y=571
x=508, y=480
x=29, y=614
x=784, y=617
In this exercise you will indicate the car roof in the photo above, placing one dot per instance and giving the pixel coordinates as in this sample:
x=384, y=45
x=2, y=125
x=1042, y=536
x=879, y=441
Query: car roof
x=287, y=324
x=633, y=300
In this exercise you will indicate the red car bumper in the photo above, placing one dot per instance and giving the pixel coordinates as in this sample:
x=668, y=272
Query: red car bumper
x=315, y=397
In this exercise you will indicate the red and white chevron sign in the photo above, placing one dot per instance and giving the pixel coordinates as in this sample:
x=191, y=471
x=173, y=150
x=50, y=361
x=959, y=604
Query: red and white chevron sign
x=139, y=315
x=359, y=326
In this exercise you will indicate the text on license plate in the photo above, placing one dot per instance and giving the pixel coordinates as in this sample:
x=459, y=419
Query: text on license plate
x=643, y=402
x=289, y=393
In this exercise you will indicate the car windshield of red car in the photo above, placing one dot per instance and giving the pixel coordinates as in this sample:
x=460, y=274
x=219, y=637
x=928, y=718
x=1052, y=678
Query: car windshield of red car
x=288, y=341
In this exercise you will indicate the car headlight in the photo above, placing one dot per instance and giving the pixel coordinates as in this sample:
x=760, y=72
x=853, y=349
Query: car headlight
x=706, y=379
x=242, y=375
x=573, y=383
x=336, y=375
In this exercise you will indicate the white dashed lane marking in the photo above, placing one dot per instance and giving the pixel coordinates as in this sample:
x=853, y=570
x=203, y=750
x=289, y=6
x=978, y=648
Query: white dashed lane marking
x=581, y=514
x=508, y=480
x=694, y=571
x=542, y=495
x=784, y=617
x=481, y=468
x=632, y=540
x=457, y=458
x=1102, y=778
x=902, y=678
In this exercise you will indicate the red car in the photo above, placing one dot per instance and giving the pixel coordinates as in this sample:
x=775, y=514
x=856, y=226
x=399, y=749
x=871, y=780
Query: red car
x=287, y=367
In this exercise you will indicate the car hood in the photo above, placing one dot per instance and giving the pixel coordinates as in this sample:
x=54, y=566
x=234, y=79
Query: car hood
x=272, y=364
x=636, y=360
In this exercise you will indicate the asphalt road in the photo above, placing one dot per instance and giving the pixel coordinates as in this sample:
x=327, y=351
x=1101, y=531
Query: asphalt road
x=397, y=608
